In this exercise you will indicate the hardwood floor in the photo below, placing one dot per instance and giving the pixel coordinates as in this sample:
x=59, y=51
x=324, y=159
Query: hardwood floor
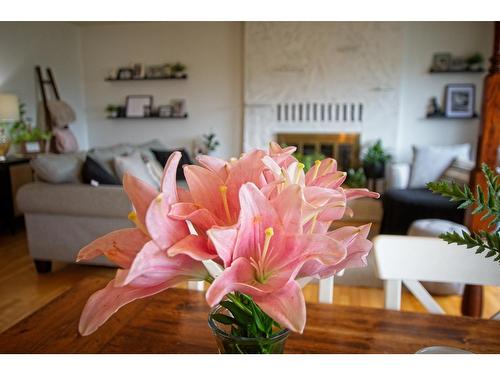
x=23, y=291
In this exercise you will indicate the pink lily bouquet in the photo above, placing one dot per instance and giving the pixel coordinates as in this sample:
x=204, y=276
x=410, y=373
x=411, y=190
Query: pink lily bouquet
x=255, y=228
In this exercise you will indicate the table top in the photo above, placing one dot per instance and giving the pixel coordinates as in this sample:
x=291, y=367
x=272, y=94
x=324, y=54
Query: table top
x=176, y=322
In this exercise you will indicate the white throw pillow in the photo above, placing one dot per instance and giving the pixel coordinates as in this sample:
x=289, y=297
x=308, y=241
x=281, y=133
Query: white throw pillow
x=430, y=162
x=135, y=165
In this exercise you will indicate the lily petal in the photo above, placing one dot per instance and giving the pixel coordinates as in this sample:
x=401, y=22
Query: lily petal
x=120, y=246
x=105, y=302
x=168, y=180
x=140, y=194
x=224, y=240
x=286, y=306
x=194, y=246
x=216, y=165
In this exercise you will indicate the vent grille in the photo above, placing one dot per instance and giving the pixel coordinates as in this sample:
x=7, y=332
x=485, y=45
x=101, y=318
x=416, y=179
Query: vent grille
x=313, y=112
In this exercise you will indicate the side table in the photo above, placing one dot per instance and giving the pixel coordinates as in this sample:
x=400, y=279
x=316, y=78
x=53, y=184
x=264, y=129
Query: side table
x=14, y=172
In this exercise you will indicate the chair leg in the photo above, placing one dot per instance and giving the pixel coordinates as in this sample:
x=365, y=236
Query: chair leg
x=43, y=266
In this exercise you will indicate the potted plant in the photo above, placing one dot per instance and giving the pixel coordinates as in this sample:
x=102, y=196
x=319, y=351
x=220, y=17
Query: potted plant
x=178, y=70
x=30, y=139
x=112, y=110
x=475, y=62
x=356, y=178
x=263, y=230
x=210, y=142
x=374, y=161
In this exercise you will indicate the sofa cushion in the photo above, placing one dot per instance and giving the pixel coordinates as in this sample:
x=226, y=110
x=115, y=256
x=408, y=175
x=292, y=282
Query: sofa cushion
x=105, y=155
x=58, y=168
x=459, y=172
x=136, y=166
x=163, y=155
x=93, y=171
x=430, y=162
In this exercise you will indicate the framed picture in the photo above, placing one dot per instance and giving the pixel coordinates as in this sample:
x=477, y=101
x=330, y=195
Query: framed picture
x=458, y=64
x=460, y=100
x=441, y=62
x=178, y=107
x=125, y=73
x=165, y=111
x=138, y=105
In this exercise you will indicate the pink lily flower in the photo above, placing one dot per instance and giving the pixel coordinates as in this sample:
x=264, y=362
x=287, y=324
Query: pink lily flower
x=357, y=245
x=214, y=189
x=142, y=252
x=269, y=250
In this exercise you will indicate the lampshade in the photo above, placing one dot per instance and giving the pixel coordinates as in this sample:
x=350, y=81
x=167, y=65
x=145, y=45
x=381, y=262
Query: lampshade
x=9, y=107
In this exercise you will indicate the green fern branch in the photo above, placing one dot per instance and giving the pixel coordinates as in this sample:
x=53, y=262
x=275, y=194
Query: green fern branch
x=487, y=204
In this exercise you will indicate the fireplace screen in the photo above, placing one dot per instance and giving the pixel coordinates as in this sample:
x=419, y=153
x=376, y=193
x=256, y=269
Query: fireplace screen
x=344, y=147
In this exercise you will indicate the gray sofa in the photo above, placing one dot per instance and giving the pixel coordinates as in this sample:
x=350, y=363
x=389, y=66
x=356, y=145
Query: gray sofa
x=62, y=218
x=62, y=214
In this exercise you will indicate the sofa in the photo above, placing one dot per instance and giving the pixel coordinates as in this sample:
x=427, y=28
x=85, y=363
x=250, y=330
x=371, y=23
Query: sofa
x=63, y=213
x=407, y=198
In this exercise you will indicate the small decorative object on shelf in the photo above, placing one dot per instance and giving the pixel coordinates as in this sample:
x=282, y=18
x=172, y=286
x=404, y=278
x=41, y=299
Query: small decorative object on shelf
x=356, y=178
x=165, y=111
x=446, y=63
x=113, y=110
x=433, y=107
x=138, y=72
x=262, y=233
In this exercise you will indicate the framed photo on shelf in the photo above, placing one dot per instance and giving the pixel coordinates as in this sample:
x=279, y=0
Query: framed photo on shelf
x=138, y=106
x=460, y=100
x=441, y=62
x=178, y=107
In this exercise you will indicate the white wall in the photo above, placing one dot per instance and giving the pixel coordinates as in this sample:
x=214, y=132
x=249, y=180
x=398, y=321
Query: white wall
x=421, y=41
x=48, y=44
x=212, y=52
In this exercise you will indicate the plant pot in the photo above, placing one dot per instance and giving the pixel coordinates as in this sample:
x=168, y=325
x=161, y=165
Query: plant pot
x=374, y=171
x=230, y=344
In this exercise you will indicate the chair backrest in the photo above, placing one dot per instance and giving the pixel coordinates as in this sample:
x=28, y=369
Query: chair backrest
x=409, y=259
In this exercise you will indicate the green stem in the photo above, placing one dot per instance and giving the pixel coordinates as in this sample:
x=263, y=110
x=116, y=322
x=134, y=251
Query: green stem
x=237, y=302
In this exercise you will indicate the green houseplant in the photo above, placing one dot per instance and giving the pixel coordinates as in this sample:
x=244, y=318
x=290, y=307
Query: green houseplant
x=374, y=160
x=485, y=203
x=30, y=139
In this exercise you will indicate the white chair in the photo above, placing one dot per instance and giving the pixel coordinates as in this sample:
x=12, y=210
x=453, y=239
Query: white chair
x=408, y=260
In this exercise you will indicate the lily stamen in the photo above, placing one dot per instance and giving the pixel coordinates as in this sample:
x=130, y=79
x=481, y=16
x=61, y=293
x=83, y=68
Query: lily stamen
x=300, y=168
x=317, y=164
x=269, y=232
x=223, y=191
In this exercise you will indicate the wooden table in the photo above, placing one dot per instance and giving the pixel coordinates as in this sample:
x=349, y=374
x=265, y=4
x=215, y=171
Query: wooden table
x=176, y=322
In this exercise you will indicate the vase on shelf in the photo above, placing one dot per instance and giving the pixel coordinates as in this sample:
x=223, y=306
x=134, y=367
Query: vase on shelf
x=227, y=343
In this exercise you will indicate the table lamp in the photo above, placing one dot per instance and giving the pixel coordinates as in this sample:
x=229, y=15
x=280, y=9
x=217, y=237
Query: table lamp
x=9, y=112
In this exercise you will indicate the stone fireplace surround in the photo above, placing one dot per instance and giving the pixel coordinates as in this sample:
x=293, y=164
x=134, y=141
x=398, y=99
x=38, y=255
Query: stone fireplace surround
x=321, y=78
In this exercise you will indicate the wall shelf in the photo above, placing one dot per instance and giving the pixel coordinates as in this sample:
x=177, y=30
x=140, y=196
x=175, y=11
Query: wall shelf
x=431, y=71
x=443, y=117
x=150, y=118
x=147, y=79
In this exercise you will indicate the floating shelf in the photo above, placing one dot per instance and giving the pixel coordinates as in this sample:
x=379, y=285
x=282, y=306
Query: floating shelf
x=147, y=79
x=431, y=71
x=443, y=117
x=150, y=118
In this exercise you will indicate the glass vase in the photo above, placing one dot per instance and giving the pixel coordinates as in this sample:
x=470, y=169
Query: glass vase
x=230, y=344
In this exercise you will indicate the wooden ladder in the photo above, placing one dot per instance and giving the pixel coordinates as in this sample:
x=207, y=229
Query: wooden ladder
x=47, y=85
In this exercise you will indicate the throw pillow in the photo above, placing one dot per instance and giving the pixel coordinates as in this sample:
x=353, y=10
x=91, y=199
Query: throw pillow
x=430, y=162
x=163, y=155
x=58, y=168
x=459, y=172
x=93, y=171
x=105, y=155
x=136, y=166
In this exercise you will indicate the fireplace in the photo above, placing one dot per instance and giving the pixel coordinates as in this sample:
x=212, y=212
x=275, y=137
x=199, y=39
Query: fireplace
x=343, y=147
